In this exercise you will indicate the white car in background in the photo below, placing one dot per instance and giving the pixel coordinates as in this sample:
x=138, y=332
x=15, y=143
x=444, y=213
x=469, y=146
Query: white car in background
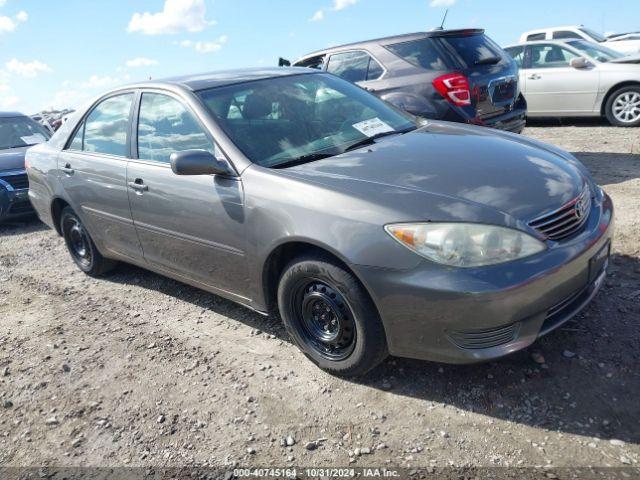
x=576, y=78
x=628, y=43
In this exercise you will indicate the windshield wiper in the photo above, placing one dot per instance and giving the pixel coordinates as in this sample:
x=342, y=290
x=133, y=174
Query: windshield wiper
x=487, y=61
x=371, y=140
x=311, y=157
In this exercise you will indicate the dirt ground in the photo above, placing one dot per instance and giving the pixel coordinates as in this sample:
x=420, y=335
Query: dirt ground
x=136, y=369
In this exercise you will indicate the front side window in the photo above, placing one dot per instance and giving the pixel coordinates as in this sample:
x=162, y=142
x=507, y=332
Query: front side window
x=550, y=56
x=354, y=66
x=165, y=126
x=563, y=34
x=594, y=35
x=16, y=132
x=277, y=121
x=315, y=63
x=105, y=129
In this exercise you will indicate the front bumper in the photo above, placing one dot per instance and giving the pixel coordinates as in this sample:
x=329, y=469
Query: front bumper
x=456, y=315
x=14, y=195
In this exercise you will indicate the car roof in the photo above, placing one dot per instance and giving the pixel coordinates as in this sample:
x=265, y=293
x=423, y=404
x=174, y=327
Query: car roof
x=552, y=28
x=406, y=37
x=538, y=42
x=11, y=114
x=203, y=81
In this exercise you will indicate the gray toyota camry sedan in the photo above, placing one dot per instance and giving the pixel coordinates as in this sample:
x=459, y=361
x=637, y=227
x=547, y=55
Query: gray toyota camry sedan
x=372, y=233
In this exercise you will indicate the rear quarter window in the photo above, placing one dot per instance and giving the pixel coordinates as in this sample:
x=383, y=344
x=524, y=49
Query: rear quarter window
x=472, y=50
x=422, y=53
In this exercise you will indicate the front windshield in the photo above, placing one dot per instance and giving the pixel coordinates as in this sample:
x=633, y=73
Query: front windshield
x=595, y=35
x=18, y=132
x=595, y=51
x=277, y=121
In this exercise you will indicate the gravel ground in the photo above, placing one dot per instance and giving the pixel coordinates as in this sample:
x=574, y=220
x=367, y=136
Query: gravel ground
x=136, y=369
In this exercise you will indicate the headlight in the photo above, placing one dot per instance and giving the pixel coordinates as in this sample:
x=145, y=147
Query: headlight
x=465, y=244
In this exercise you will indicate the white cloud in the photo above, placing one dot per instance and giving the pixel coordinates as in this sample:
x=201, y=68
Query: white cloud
x=141, y=62
x=27, y=69
x=342, y=4
x=96, y=81
x=9, y=101
x=177, y=16
x=336, y=7
x=22, y=16
x=205, y=47
x=441, y=3
x=68, y=99
x=319, y=15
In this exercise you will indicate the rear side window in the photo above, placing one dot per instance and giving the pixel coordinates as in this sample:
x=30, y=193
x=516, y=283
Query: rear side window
x=105, y=129
x=562, y=34
x=473, y=50
x=354, y=66
x=166, y=126
x=517, y=53
x=420, y=53
x=536, y=36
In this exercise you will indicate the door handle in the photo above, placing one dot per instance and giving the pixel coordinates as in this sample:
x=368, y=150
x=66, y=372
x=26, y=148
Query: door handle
x=534, y=76
x=138, y=186
x=67, y=169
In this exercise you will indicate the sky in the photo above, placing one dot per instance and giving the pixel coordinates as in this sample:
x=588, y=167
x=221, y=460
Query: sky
x=60, y=54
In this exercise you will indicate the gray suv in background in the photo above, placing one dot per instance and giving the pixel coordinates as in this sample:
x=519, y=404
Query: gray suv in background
x=454, y=75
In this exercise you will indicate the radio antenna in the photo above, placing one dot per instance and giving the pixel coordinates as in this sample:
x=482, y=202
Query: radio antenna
x=446, y=12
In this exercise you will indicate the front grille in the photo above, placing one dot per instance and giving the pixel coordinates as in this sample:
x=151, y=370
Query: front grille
x=18, y=182
x=567, y=220
x=485, y=338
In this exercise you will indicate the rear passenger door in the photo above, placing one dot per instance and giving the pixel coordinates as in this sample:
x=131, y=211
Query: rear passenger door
x=192, y=226
x=92, y=169
x=357, y=67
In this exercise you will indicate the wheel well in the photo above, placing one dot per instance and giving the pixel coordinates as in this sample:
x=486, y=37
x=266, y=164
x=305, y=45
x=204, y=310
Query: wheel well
x=56, y=210
x=280, y=258
x=613, y=89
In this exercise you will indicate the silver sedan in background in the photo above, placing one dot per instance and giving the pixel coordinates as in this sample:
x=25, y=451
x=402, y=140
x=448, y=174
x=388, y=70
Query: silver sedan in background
x=579, y=79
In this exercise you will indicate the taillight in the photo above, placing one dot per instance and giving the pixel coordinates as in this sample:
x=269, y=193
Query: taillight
x=454, y=87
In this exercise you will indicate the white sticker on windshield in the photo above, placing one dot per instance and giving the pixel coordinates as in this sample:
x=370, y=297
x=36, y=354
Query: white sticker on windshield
x=372, y=127
x=33, y=139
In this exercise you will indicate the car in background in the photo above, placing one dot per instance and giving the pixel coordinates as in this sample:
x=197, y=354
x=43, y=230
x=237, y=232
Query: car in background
x=454, y=75
x=17, y=133
x=372, y=231
x=576, y=78
x=627, y=43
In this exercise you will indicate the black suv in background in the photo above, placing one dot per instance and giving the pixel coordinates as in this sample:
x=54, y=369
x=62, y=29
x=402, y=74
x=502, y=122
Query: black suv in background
x=455, y=75
x=17, y=133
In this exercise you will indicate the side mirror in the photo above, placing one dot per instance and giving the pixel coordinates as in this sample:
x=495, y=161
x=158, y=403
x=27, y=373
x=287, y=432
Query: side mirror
x=198, y=162
x=580, y=63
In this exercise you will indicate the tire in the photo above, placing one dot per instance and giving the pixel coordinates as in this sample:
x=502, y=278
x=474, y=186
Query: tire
x=81, y=247
x=614, y=109
x=330, y=316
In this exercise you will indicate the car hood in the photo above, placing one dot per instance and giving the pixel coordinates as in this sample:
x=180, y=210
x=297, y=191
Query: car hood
x=516, y=176
x=12, y=158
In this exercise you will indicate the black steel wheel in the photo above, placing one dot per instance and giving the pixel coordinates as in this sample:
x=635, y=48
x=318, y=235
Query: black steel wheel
x=327, y=320
x=80, y=245
x=330, y=316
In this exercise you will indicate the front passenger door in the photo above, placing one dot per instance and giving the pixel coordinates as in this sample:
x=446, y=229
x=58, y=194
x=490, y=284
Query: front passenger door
x=554, y=87
x=192, y=226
